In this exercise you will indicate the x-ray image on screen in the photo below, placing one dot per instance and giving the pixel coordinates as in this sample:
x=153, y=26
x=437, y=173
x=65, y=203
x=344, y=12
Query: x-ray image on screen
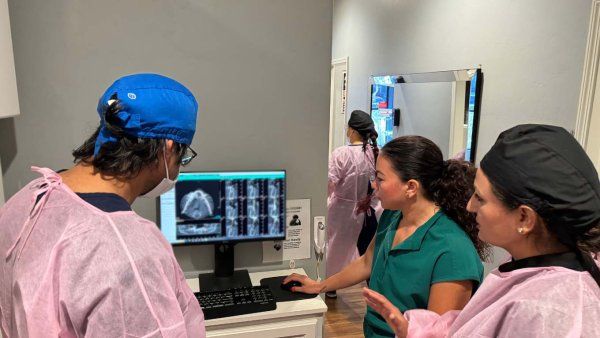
x=198, y=229
x=253, y=211
x=232, y=210
x=224, y=207
x=198, y=209
x=198, y=200
x=275, y=206
x=197, y=205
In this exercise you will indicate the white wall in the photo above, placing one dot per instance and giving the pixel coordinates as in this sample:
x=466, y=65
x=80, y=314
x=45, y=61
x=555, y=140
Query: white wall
x=425, y=109
x=531, y=52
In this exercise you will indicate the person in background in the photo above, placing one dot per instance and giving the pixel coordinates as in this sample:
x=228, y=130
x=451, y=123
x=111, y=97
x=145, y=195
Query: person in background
x=537, y=195
x=350, y=168
x=76, y=260
x=425, y=254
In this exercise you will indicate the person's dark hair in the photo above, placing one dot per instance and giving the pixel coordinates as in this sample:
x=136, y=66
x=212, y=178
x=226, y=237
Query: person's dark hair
x=372, y=137
x=447, y=183
x=362, y=123
x=126, y=157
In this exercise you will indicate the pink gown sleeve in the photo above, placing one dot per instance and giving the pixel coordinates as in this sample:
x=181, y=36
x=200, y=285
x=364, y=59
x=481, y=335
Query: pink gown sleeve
x=336, y=163
x=335, y=172
x=540, y=319
x=428, y=324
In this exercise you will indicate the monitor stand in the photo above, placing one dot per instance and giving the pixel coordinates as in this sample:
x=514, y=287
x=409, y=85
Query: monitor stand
x=224, y=276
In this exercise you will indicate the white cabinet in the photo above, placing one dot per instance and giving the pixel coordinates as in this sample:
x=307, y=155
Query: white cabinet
x=300, y=318
x=307, y=327
x=9, y=101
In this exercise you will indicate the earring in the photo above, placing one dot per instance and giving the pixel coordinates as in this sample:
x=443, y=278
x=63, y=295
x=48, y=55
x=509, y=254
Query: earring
x=520, y=230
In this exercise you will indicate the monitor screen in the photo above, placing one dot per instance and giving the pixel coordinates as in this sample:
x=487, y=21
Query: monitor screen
x=217, y=207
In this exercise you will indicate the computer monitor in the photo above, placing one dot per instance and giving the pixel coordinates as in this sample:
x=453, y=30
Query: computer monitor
x=224, y=208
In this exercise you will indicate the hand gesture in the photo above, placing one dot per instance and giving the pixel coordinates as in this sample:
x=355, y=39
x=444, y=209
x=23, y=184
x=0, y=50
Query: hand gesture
x=388, y=311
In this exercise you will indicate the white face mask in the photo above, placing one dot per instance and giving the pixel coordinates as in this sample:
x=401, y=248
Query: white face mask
x=165, y=185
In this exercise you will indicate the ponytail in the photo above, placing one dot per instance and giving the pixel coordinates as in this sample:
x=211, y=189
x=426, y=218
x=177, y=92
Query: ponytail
x=452, y=191
x=372, y=137
x=365, y=203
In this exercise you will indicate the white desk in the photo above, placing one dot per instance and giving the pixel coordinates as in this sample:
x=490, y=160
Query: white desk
x=300, y=318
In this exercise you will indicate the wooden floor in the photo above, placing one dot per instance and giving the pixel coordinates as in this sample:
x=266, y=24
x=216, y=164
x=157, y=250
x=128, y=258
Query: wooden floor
x=344, y=316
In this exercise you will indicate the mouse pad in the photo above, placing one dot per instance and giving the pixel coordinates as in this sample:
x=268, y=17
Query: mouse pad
x=281, y=295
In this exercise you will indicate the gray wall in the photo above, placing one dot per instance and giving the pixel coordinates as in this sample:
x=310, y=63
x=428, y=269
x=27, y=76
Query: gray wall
x=425, y=110
x=531, y=52
x=260, y=71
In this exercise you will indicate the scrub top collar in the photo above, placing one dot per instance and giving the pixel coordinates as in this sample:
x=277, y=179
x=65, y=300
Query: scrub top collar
x=414, y=241
x=566, y=260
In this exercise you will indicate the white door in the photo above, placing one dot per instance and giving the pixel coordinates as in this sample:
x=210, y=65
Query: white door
x=592, y=146
x=587, y=127
x=8, y=80
x=339, y=91
x=458, y=128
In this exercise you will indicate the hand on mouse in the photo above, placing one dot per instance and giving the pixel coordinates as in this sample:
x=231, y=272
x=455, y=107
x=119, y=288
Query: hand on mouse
x=308, y=285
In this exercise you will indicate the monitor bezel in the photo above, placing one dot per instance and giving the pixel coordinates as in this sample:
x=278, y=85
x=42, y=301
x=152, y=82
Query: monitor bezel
x=158, y=208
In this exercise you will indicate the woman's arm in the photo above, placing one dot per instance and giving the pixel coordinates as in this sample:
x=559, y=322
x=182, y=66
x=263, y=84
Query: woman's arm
x=355, y=272
x=446, y=296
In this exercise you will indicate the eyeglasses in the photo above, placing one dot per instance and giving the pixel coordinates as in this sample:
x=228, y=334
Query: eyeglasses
x=187, y=158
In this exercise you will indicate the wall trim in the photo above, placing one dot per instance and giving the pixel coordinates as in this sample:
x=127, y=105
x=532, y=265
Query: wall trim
x=344, y=59
x=590, y=74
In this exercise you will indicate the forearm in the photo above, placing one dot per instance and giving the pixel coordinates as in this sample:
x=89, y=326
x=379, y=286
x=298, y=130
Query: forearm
x=354, y=273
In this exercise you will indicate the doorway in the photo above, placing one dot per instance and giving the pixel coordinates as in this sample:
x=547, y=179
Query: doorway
x=338, y=103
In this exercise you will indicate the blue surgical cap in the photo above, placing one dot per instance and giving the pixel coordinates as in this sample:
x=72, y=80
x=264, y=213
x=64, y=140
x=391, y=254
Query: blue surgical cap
x=153, y=106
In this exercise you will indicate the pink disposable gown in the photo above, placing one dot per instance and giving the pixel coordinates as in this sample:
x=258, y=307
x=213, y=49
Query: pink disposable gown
x=349, y=171
x=69, y=269
x=530, y=302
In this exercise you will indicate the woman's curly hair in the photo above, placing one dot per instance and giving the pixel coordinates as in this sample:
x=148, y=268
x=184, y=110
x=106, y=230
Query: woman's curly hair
x=126, y=157
x=447, y=183
x=452, y=192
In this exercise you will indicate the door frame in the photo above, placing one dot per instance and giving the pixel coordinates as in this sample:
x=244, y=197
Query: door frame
x=589, y=83
x=335, y=63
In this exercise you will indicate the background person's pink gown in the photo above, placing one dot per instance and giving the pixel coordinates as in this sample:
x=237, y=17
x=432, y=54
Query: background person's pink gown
x=349, y=171
x=69, y=269
x=531, y=302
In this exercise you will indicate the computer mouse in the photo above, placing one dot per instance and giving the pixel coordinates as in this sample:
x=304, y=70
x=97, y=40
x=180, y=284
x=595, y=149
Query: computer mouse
x=289, y=285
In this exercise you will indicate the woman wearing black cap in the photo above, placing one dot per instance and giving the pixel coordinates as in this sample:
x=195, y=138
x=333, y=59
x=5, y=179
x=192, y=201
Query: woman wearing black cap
x=537, y=195
x=350, y=168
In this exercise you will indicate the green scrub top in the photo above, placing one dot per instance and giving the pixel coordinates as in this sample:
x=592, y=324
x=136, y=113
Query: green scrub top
x=438, y=251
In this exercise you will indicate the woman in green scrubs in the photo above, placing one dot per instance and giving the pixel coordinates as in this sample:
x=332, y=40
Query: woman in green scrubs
x=426, y=254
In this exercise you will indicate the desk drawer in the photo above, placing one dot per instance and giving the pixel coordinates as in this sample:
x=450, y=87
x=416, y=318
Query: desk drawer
x=305, y=328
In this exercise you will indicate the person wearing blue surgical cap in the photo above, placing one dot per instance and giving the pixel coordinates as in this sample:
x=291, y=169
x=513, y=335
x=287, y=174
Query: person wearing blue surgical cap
x=77, y=261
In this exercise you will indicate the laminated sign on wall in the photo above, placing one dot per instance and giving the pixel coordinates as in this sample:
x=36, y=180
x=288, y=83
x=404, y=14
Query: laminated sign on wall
x=297, y=242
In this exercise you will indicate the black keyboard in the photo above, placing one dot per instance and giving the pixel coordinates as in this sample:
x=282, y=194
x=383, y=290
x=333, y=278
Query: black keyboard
x=234, y=302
